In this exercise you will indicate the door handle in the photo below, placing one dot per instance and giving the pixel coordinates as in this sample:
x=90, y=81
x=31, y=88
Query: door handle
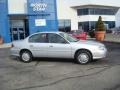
x=50, y=46
x=31, y=46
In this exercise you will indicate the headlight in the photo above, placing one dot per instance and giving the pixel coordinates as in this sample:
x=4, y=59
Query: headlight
x=101, y=48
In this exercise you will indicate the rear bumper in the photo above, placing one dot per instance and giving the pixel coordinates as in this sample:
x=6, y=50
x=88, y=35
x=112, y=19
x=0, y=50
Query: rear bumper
x=14, y=52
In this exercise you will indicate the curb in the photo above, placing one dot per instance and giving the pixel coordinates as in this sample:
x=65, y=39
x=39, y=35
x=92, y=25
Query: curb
x=5, y=45
x=111, y=42
x=106, y=41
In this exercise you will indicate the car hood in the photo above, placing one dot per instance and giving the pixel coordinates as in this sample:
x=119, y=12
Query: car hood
x=90, y=42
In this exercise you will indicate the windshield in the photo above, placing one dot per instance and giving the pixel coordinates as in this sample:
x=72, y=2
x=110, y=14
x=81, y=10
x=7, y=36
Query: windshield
x=69, y=37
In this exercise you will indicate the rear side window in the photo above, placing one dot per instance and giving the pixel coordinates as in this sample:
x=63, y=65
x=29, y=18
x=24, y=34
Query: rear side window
x=38, y=38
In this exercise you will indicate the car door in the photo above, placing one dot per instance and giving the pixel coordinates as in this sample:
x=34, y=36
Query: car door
x=58, y=46
x=38, y=45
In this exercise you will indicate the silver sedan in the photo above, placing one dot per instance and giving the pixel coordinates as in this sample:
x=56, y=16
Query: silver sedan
x=57, y=45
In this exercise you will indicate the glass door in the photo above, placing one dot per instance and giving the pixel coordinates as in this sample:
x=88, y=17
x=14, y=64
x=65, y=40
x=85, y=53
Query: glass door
x=18, y=29
x=21, y=32
x=14, y=33
x=17, y=33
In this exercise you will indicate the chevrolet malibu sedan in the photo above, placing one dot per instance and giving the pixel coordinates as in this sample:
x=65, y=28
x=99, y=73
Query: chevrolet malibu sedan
x=57, y=45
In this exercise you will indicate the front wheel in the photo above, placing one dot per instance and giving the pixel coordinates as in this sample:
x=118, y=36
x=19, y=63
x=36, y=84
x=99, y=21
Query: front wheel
x=26, y=56
x=83, y=57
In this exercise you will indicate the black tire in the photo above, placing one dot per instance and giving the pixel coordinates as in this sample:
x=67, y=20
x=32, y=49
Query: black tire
x=83, y=57
x=26, y=56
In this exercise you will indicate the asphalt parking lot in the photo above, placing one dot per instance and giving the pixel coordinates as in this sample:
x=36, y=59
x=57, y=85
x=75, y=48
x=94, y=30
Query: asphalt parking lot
x=61, y=74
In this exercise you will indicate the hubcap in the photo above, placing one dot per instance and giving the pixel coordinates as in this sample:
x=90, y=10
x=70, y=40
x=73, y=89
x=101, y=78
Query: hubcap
x=25, y=57
x=83, y=58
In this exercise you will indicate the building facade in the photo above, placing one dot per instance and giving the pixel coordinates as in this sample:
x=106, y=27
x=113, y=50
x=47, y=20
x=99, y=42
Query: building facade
x=20, y=18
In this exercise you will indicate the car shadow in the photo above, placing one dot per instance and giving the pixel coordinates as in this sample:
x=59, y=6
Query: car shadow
x=53, y=60
x=61, y=60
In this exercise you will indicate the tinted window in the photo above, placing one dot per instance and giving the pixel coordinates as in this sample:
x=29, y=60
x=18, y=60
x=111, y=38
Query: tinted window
x=54, y=38
x=38, y=38
x=86, y=26
x=96, y=11
x=84, y=11
x=64, y=25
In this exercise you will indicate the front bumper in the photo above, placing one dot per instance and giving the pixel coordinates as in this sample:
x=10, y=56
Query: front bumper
x=100, y=54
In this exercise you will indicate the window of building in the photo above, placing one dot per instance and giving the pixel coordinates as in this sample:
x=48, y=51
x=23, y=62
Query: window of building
x=84, y=11
x=86, y=26
x=64, y=25
x=96, y=11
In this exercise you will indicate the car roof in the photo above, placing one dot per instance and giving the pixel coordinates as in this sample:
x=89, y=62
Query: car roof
x=57, y=32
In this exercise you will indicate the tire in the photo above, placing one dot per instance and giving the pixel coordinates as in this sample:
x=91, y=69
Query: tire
x=83, y=57
x=26, y=56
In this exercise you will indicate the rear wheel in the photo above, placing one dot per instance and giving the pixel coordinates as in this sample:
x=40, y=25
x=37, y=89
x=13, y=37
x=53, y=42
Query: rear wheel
x=83, y=57
x=26, y=56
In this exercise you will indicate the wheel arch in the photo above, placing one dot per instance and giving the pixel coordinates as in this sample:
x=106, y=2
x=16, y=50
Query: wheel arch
x=85, y=50
x=22, y=50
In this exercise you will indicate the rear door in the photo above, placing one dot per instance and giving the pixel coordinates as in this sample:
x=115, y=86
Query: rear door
x=38, y=45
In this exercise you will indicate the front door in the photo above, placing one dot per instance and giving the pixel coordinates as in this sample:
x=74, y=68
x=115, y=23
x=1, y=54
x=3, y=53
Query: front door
x=18, y=29
x=58, y=46
x=17, y=33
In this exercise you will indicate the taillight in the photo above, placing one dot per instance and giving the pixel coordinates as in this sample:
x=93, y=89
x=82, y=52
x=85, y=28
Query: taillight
x=12, y=45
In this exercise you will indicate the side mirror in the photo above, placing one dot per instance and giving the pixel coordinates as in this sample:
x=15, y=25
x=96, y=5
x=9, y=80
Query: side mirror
x=64, y=42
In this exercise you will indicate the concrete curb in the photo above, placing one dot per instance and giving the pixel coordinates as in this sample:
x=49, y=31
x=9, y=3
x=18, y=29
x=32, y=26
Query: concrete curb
x=107, y=41
x=8, y=45
x=112, y=42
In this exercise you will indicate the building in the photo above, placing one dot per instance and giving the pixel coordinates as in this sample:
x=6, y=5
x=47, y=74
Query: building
x=20, y=18
x=85, y=13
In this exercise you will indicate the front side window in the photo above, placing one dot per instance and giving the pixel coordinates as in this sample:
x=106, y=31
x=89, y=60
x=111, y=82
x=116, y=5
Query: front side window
x=38, y=38
x=55, y=38
x=68, y=37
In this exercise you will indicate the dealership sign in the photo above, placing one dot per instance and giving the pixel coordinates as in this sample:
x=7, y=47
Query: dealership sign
x=40, y=22
x=42, y=15
x=38, y=6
